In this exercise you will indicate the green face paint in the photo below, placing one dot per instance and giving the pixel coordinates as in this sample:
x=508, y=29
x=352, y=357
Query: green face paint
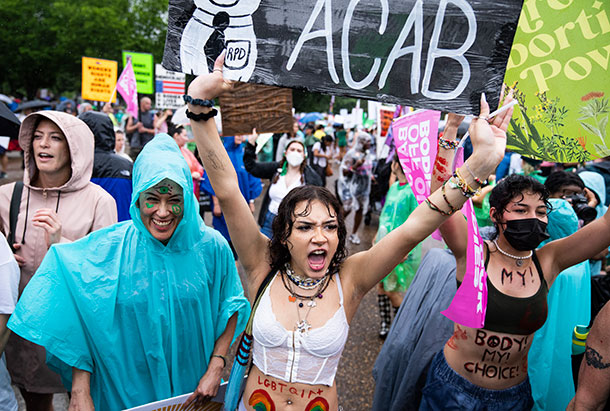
x=148, y=205
x=176, y=209
x=163, y=190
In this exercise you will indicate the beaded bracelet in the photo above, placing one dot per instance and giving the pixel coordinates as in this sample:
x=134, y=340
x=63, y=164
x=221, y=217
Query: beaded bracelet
x=434, y=207
x=201, y=116
x=451, y=207
x=197, y=101
x=447, y=144
x=477, y=179
x=460, y=183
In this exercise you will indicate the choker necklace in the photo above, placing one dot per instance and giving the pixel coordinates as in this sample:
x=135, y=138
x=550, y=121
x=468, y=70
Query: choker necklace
x=304, y=283
x=302, y=325
x=519, y=260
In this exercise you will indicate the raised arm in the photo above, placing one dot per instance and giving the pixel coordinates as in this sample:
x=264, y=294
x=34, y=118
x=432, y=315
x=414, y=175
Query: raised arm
x=594, y=375
x=251, y=245
x=366, y=269
x=580, y=246
x=454, y=230
x=259, y=170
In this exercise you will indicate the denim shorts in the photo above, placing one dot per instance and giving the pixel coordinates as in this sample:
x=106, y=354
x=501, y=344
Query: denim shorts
x=266, y=228
x=447, y=390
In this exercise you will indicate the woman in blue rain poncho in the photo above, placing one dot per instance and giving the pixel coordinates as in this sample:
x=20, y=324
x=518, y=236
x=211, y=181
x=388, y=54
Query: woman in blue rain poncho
x=141, y=310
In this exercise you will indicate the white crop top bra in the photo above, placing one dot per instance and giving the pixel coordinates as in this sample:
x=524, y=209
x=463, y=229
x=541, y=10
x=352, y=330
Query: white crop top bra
x=310, y=358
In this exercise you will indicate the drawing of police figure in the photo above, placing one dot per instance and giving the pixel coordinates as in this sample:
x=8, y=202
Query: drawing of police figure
x=214, y=26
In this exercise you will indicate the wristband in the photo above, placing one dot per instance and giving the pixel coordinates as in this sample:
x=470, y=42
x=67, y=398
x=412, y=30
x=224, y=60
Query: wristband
x=224, y=360
x=197, y=101
x=201, y=116
x=447, y=144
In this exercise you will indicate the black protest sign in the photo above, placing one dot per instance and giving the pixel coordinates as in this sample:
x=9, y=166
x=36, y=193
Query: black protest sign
x=268, y=109
x=440, y=54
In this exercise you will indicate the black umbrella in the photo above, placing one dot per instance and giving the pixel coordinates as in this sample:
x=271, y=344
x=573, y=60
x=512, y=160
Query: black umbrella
x=9, y=123
x=34, y=104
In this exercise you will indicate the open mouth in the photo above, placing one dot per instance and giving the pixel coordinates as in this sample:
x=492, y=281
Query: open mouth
x=161, y=225
x=317, y=260
x=44, y=156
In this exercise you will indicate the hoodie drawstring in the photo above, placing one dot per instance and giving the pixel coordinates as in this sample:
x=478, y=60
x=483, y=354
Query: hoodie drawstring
x=27, y=209
x=25, y=224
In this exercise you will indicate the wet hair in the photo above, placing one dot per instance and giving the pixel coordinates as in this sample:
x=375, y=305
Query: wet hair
x=283, y=223
x=396, y=160
x=514, y=186
x=558, y=179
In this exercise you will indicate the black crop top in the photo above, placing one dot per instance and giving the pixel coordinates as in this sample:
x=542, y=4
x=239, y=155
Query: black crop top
x=516, y=315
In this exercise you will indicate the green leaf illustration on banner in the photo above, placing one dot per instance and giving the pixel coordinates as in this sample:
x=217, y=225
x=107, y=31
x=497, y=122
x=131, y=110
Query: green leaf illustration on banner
x=558, y=67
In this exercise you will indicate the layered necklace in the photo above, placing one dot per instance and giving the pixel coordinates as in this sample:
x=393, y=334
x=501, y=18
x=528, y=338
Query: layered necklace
x=319, y=285
x=518, y=260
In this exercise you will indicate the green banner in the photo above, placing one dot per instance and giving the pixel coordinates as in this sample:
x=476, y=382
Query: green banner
x=559, y=67
x=143, y=68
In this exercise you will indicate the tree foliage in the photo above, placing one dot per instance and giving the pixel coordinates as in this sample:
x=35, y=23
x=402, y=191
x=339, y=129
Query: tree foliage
x=43, y=41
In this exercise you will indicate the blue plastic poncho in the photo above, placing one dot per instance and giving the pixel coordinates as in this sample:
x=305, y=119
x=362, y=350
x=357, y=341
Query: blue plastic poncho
x=141, y=316
x=595, y=182
x=569, y=299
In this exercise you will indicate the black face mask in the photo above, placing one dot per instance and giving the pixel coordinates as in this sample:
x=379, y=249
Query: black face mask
x=525, y=234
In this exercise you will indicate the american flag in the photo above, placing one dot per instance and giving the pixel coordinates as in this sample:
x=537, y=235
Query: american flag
x=170, y=87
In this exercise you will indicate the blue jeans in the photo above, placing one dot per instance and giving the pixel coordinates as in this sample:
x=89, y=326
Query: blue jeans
x=266, y=228
x=447, y=390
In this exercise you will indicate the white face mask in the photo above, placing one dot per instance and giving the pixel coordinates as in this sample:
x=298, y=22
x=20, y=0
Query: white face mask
x=294, y=159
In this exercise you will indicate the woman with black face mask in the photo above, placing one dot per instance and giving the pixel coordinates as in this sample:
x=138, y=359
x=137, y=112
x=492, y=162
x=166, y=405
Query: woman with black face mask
x=487, y=367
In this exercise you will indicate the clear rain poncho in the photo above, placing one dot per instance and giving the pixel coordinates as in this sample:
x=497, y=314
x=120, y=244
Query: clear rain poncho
x=354, y=183
x=141, y=316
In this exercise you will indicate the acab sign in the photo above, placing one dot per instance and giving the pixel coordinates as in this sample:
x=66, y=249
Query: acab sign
x=413, y=24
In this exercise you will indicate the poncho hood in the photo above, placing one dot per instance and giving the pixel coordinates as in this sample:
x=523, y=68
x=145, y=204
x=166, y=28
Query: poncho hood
x=563, y=221
x=161, y=159
x=141, y=317
x=595, y=182
x=102, y=128
x=80, y=141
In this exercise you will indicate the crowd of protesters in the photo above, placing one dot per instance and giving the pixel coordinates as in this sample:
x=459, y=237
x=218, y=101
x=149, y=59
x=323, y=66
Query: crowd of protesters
x=121, y=295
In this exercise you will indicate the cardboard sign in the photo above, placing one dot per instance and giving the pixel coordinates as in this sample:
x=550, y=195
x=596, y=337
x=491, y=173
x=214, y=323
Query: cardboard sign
x=99, y=78
x=469, y=304
x=169, y=88
x=143, y=67
x=415, y=137
x=438, y=54
x=385, y=116
x=559, y=64
x=248, y=106
x=176, y=403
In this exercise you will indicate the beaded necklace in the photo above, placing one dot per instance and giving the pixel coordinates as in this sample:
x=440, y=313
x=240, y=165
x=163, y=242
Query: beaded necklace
x=304, y=283
x=303, y=325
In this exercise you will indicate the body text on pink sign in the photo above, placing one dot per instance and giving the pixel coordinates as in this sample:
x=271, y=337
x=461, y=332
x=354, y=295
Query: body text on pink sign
x=415, y=138
x=469, y=305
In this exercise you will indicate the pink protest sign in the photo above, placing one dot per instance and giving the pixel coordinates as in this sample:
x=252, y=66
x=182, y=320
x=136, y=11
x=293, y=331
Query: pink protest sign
x=415, y=136
x=127, y=86
x=470, y=302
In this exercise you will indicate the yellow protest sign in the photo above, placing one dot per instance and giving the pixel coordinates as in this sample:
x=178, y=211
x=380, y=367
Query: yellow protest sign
x=98, y=79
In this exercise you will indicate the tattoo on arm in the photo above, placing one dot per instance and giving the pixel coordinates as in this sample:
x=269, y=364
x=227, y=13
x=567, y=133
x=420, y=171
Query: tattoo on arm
x=214, y=161
x=595, y=359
